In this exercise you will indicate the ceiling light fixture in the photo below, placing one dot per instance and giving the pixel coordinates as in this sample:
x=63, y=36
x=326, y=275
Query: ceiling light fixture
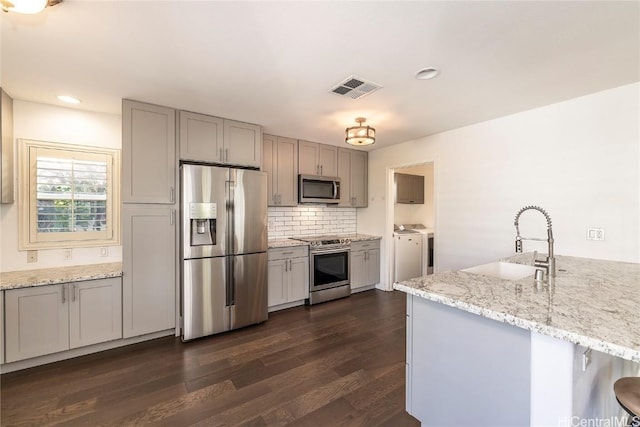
x=27, y=6
x=69, y=99
x=360, y=135
x=427, y=73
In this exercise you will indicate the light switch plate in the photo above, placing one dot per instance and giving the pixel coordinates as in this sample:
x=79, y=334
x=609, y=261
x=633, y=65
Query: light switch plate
x=67, y=254
x=104, y=251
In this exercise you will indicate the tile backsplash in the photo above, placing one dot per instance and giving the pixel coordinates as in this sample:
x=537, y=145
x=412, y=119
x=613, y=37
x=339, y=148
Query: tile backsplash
x=309, y=220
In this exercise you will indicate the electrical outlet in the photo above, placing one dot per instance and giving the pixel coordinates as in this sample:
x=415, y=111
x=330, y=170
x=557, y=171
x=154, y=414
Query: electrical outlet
x=595, y=233
x=104, y=251
x=67, y=254
x=32, y=256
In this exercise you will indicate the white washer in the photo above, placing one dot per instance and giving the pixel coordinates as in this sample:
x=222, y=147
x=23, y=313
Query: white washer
x=408, y=255
x=427, y=246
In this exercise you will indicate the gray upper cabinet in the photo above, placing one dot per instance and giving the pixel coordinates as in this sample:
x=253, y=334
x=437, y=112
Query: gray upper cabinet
x=214, y=140
x=317, y=159
x=280, y=162
x=148, y=153
x=242, y=144
x=353, y=173
x=6, y=149
x=409, y=188
x=201, y=138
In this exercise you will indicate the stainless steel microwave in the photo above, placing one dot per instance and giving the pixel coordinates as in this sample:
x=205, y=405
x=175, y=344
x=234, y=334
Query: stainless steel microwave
x=318, y=189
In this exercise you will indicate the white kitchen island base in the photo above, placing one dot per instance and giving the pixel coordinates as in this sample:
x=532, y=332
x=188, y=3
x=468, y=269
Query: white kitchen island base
x=465, y=369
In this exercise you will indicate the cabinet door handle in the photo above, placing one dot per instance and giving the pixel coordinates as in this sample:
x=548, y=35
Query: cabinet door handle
x=172, y=195
x=289, y=265
x=73, y=293
x=64, y=294
x=226, y=154
x=172, y=217
x=279, y=199
x=321, y=167
x=286, y=264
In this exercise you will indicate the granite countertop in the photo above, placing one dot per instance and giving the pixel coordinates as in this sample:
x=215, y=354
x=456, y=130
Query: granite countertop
x=593, y=303
x=52, y=276
x=286, y=243
x=361, y=237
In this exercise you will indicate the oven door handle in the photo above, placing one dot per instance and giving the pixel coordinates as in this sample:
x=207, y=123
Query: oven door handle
x=335, y=190
x=329, y=251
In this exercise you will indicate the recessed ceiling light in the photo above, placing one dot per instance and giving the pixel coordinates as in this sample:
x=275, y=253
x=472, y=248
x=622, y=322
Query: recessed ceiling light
x=427, y=73
x=69, y=99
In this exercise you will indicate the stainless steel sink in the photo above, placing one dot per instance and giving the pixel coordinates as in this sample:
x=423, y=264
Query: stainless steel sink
x=503, y=270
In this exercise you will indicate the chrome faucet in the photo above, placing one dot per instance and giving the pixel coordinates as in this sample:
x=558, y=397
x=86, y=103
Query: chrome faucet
x=550, y=263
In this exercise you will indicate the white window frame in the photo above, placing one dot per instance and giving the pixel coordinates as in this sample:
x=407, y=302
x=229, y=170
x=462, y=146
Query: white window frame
x=29, y=237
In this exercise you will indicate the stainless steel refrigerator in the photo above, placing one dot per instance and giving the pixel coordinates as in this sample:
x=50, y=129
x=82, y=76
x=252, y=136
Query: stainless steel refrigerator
x=224, y=249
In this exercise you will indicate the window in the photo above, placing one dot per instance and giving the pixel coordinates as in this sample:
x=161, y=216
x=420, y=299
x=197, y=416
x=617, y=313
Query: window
x=69, y=195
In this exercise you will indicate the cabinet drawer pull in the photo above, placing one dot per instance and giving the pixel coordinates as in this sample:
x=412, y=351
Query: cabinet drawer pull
x=287, y=253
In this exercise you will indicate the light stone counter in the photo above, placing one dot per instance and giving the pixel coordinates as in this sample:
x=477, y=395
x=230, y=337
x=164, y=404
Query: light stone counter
x=285, y=243
x=360, y=237
x=52, y=276
x=593, y=303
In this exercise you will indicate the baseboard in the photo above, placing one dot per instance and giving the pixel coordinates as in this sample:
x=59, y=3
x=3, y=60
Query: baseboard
x=82, y=351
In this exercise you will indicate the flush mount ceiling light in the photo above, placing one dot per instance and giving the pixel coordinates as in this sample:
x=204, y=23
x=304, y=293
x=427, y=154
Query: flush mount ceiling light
x=69, y=99
x=360, y=135
x=427, y=73
x=27, y=6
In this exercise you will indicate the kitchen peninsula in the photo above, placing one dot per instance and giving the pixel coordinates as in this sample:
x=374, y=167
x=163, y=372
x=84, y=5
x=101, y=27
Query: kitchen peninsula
x=491, y=351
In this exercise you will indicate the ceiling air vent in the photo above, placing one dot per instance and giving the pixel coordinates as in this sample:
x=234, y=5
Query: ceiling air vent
x=355, y=87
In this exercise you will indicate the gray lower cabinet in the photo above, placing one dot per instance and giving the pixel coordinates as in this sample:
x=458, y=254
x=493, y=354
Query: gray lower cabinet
x=365, y=264
x=148, y=153
x=48, y=319
x=280, y=162
x=149, y=269
x=288, y=275
x=353, y=173
x=1, y=327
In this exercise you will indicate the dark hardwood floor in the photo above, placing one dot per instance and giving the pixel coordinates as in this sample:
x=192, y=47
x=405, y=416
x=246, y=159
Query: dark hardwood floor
x=335, y=364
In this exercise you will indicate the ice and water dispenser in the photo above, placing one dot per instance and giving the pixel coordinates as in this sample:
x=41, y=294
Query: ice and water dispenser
x=203, y=223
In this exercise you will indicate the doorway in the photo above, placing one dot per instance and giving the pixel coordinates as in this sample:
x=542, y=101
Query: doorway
x=410, y=211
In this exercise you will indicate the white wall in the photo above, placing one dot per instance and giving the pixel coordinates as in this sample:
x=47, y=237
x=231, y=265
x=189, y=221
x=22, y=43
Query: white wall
x=56, y=124
x=578, y=159
x=417, y=214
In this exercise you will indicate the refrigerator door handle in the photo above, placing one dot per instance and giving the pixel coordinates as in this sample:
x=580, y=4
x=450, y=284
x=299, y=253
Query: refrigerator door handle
x=231, y=225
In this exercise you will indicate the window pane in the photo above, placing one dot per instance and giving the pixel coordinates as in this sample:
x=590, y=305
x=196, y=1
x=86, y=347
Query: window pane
x=54, y=216
x=71, y=195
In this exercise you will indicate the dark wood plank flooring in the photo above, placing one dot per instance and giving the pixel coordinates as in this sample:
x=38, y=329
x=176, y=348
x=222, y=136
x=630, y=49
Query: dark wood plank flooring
x=340, y=363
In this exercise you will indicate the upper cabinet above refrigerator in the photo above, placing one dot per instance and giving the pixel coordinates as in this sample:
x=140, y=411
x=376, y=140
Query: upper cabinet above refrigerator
x=211, y=139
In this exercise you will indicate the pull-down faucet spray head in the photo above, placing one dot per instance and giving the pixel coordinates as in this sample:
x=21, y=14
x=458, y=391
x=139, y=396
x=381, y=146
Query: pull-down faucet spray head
x=550, y=263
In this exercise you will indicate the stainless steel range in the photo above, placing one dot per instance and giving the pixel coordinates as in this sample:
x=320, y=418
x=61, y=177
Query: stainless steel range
x=329, y=267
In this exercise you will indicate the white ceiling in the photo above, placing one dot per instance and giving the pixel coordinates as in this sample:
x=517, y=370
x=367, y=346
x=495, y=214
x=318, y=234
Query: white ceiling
x=273, y=63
